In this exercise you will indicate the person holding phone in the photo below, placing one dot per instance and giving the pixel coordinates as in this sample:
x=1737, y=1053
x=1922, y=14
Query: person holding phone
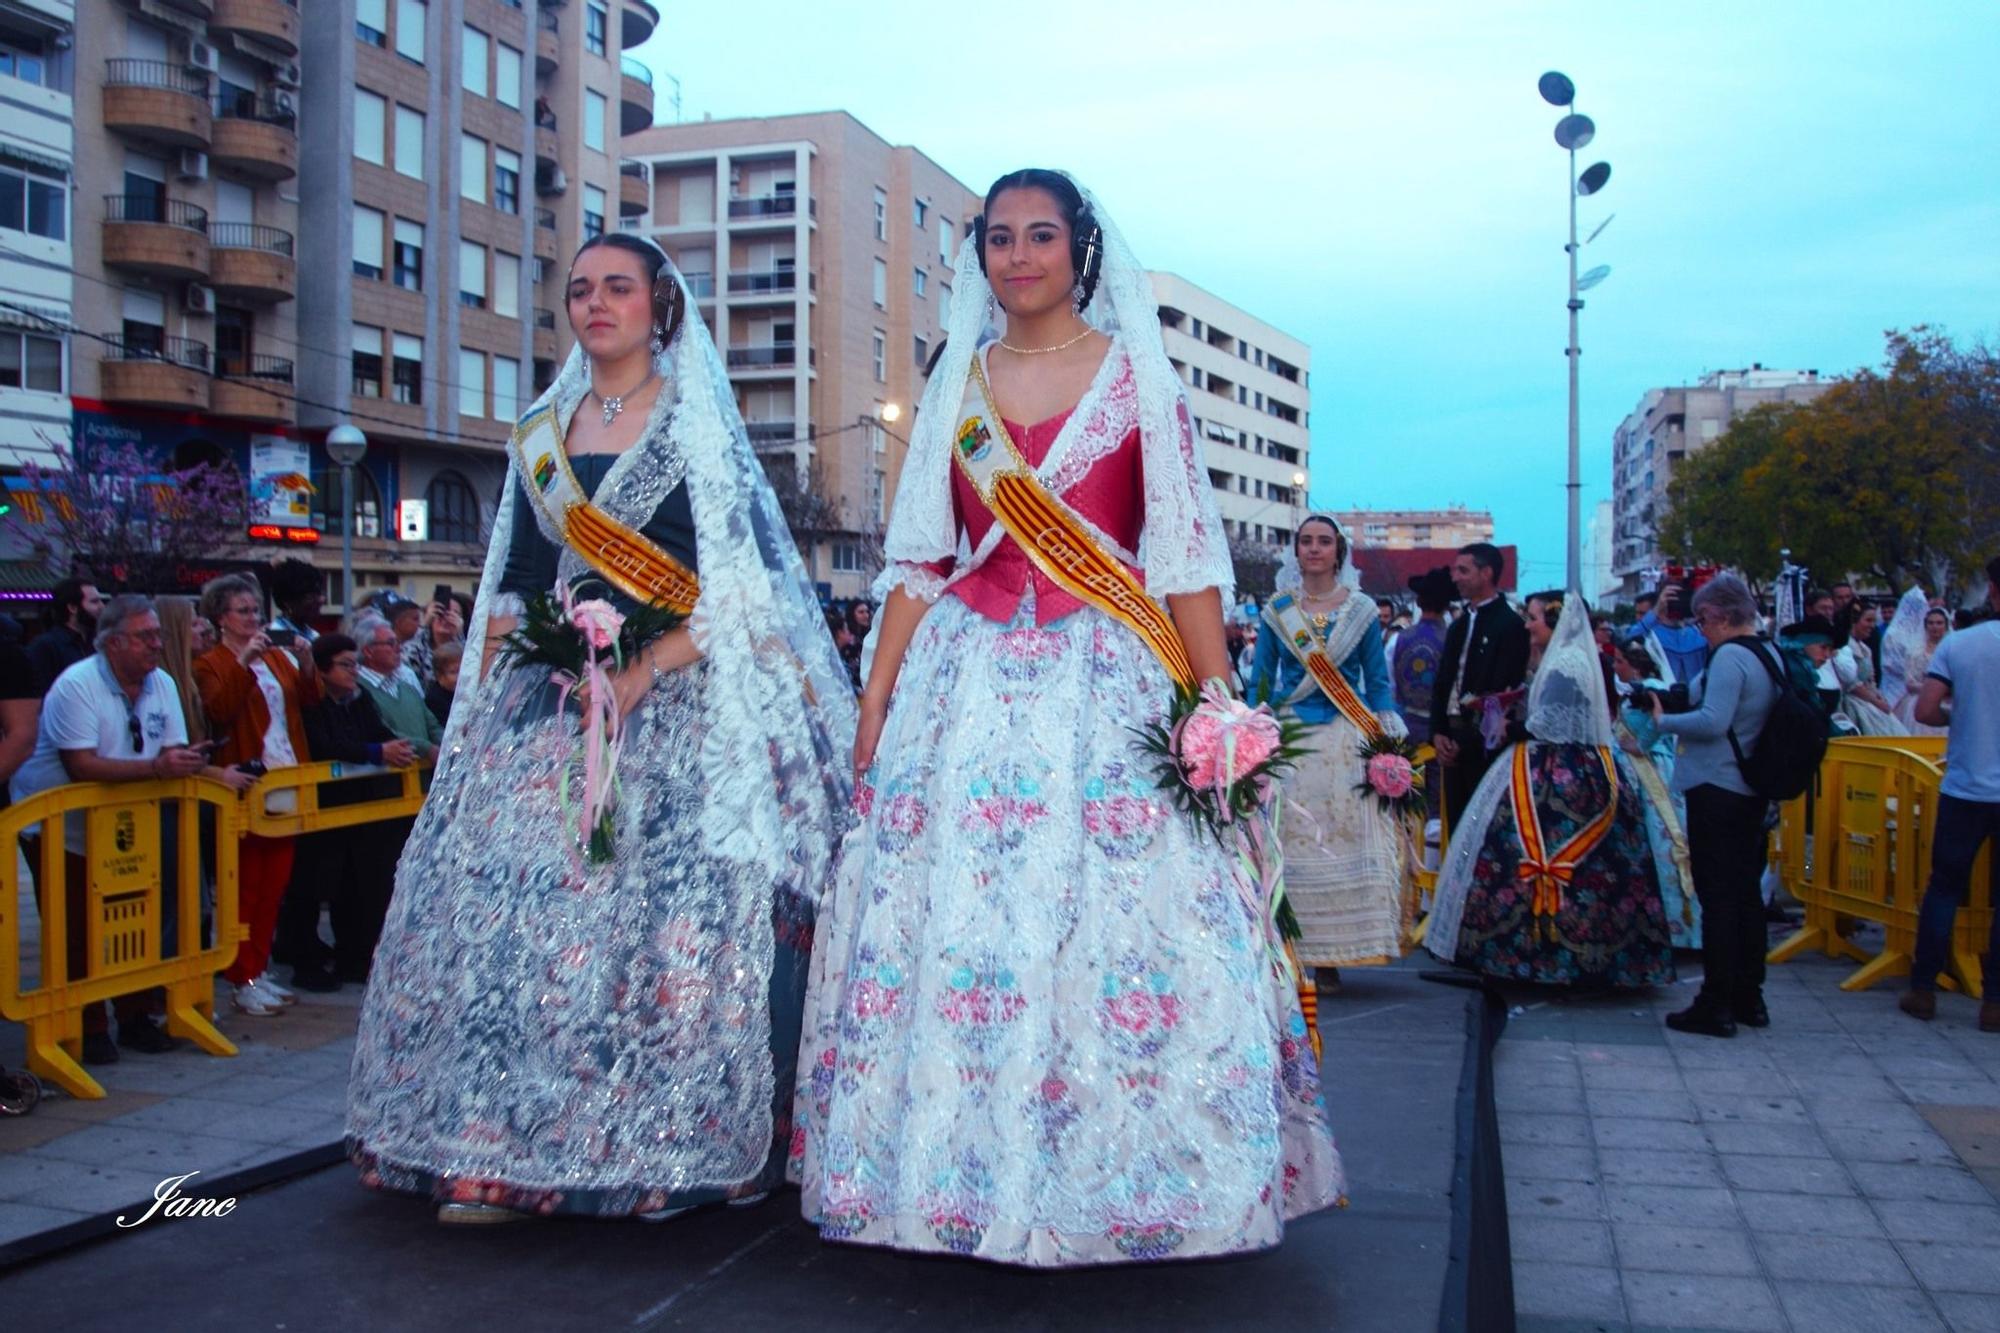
x=255, y=696
x=1680, y=643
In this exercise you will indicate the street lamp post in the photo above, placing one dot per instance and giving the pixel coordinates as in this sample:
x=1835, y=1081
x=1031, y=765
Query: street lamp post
x=346, y=445
x=1575, y=131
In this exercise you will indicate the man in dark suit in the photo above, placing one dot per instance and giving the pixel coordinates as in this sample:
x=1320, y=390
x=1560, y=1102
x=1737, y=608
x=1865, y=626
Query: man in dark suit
x=1485, y=652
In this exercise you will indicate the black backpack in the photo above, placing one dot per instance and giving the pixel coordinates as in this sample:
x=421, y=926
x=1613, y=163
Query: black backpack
x=1787, y=755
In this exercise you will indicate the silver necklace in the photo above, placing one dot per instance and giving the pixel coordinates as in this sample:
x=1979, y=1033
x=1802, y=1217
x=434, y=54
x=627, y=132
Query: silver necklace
x=615, y=404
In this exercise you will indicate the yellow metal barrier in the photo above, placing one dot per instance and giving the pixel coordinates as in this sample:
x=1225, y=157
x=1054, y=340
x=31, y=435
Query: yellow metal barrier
x=125, y=894
x=1859, y=846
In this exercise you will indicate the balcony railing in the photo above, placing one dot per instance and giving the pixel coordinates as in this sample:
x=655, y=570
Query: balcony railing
x=772, y=432
x=152, y=208
x=700, y=284
x=249, y=236
x=254, y=106
x=156, y=347
x=545, y=318
x=545, y=218
x=123, y=72
x=257, y=366
x=765, y=354
x=632, y=69
x=764, y=206
x=637, y=170
x=777, y=280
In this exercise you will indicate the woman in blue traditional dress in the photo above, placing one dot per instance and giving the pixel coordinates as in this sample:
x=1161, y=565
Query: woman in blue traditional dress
x=546, y=1031
x=1343, y=850
x=1652, y=750
x=1554, y=876
x=1046, y=1024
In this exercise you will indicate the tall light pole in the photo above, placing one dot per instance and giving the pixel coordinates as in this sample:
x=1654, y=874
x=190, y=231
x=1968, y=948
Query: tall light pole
x=1575, y=131
x=346, y=445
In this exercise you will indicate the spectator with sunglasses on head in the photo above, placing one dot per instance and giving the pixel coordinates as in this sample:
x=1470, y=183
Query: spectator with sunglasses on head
x=114, y=716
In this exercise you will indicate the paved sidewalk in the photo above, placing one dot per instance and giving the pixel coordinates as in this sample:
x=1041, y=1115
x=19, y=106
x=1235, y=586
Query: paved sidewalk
x=185, y=1110
x=1839, y=1170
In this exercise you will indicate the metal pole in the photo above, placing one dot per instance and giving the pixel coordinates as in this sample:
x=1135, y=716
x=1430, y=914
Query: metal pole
x=1575, y=461
x=347, y=535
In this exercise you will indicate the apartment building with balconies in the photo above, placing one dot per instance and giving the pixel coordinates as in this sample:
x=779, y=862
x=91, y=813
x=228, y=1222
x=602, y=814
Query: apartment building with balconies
x=822, y=258
x=463, y=150
x=1666, y=425
x=37, y=73
x=1417, y=529
x=1249, y=388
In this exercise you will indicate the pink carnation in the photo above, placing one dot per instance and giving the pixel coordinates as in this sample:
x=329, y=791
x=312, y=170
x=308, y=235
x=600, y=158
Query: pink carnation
x=1391, y=775
x=1224, y=740
x=598, y=621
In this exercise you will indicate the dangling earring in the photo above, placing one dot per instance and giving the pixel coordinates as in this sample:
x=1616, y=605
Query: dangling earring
x=659, y=340
x=1076, y=296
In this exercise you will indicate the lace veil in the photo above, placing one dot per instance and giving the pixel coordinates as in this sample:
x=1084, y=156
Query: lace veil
x=1901, y=642
x=1183, y=547
x=782, y=712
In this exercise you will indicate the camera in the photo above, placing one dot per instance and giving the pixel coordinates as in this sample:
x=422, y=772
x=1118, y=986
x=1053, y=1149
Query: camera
x=254, y=767
x=282, y=638
x=1673, y=699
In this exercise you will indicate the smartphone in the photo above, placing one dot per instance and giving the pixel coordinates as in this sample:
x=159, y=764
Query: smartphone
x=442, y=595
x=282, y=638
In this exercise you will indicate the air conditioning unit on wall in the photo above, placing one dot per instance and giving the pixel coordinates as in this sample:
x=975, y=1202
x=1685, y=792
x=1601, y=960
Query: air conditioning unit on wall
x=200, y=57
x=286, y=75
x=194, y=165
x=199, y=299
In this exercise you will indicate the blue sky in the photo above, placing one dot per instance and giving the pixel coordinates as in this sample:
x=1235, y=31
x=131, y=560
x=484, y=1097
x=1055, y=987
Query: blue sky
x=1789, y=179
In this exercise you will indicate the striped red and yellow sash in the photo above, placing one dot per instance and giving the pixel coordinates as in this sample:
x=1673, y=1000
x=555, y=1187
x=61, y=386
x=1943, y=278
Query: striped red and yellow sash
x=1288, y=619
x=1551, y=873
x=1052, y=535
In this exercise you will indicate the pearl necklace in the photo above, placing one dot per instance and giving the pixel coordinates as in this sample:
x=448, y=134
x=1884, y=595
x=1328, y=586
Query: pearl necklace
x=1037, y=351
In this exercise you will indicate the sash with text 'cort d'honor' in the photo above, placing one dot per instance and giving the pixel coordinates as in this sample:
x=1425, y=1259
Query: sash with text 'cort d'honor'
x=1059, y=542
x=1287, y=619
x=628, y=560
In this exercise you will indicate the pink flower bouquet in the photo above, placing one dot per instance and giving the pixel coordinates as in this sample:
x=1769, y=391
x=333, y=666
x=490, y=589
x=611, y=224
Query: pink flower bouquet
x=1218, y=755
x=1390, y=774
x=585, y=641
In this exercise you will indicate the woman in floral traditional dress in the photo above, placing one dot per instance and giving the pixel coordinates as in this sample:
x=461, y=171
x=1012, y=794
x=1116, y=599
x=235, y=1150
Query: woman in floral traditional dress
x=1343, y=849
x=1046, y=1026
x=546, y=1031
x=1554, y=875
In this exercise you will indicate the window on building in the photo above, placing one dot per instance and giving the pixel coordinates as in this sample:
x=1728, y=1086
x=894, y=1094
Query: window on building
x=506, y=287
x=367, y=358
x=923, y=282
x=593, y=120
x=454, y=507
x=366, y=504
x=472, y=57
x=371, y=134
x=882, y=284
x=34, y=200
x=472, y=168
x=408, y=267
x=944, y=240
x=507, y=76
x=846, y=558
x=406, y=369
x=881, y=357
x=881, y=214
x=411, y=18
x=472, y=275
x=596, y=24
x=409, y=142
x=918, y=210
x=593, y=212
x=369, y=228
x=25, y=57
x=944, y=305
x=923, y=350
x=30, y=361
x=471, y=383
x=371, y=21
x=506, y=388
x=878, y=493
x=506, y=180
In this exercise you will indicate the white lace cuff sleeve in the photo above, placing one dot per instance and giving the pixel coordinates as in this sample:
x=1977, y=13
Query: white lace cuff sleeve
x=505, y=604
x=1393, y=724
x=920, y=581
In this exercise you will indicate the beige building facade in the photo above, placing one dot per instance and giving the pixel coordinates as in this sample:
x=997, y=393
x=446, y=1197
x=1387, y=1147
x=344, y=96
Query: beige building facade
x=1418, y=529
x=37, y=165
x=1249, y=388
x=1665, y=426
x=821, y=256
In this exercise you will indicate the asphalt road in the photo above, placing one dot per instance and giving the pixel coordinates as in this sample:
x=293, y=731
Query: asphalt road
x=320, y=1252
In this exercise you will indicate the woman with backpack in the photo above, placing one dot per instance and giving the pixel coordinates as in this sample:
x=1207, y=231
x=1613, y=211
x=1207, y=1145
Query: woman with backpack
x=1726, y=809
